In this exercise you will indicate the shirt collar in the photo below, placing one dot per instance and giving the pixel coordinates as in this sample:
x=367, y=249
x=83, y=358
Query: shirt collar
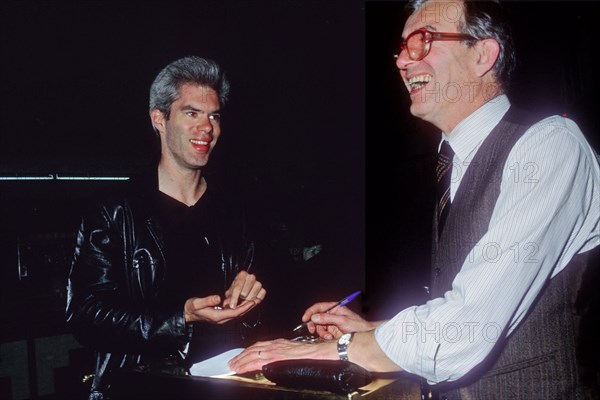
x=468, y=135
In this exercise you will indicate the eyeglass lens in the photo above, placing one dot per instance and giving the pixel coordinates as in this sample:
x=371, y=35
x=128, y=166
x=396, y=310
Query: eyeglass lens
x=416, y=46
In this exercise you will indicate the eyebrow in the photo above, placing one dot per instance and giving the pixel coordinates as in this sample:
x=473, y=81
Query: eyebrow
x=428, y=27
x=188, y=107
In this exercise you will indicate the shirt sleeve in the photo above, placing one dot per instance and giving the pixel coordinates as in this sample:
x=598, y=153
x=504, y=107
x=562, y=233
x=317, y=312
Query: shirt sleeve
x=548, y=210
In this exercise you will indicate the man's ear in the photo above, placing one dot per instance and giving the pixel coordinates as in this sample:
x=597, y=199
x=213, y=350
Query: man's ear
x=158, y=120
x=487, y=54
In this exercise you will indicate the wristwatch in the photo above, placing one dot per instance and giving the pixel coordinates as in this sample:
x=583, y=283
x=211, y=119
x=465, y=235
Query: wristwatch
x=342, y=345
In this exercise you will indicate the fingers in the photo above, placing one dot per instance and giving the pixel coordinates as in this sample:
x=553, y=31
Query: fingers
x=316, y=308
x=328, y=332
x=244, y=287
x=257, y=292
x=254, y=357
x=257, y=299
x=345, y=321
x=333, y=323
x=205, y=309
x=324, y=330
x=194, y=304
x=220, y=316
x=329, y=319
x=251, y=359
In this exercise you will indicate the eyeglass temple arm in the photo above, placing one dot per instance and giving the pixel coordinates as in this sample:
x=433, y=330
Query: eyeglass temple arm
x=450, y=36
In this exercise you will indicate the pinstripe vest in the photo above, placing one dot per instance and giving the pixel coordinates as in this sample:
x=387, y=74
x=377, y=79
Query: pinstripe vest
x=537, y=361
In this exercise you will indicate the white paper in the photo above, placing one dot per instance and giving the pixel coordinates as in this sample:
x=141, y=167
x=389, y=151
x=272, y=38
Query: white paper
x=216, y=365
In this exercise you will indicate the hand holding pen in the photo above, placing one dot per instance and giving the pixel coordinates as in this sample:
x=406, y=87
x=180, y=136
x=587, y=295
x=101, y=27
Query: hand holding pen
x=327, y=324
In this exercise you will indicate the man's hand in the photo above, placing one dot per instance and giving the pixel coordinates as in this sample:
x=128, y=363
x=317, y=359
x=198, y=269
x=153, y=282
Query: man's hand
x=245, y=287
x=254, y=357
x=336, y=322
x=363, y=351
x=208, y=309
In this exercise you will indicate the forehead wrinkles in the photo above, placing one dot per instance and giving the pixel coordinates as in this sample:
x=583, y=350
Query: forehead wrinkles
x=442, y=14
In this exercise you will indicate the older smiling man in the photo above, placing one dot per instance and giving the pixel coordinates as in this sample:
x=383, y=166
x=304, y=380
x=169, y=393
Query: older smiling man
x=514, y=228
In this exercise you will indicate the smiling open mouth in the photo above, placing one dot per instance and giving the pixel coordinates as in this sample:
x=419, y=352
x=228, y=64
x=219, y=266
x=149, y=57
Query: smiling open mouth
x=417, y=82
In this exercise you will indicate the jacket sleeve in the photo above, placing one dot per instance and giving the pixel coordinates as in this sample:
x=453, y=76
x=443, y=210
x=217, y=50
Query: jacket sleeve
x=102, y=310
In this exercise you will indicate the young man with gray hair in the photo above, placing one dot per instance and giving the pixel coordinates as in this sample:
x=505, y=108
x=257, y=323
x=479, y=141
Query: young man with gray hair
x=161, y=267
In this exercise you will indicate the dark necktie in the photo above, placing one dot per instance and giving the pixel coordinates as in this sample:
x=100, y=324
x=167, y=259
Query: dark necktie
x=443, y=172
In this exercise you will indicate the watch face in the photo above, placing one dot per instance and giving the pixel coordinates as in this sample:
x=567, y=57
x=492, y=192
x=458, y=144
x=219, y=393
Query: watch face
x=345, y=338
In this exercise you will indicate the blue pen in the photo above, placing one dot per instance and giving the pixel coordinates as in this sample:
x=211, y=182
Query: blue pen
x=340, y=303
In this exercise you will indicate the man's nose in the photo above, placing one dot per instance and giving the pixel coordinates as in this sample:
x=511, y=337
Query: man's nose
x=204, y=125
x=403, y=60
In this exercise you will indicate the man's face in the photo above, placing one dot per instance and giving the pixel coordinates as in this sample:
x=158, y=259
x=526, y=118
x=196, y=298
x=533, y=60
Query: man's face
x=441, y=85
x=193, y=128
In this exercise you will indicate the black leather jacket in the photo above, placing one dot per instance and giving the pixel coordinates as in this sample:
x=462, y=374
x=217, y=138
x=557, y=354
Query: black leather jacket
x=118, y=265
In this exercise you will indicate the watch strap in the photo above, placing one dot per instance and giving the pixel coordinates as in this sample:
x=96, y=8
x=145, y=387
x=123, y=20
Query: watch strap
x=342, y=346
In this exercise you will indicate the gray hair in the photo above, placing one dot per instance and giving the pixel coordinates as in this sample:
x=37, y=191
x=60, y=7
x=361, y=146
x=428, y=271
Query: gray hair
x=188, y=70
x=486, y=20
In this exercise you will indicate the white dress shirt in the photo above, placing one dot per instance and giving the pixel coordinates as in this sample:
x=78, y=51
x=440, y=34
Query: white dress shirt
x=548, y=210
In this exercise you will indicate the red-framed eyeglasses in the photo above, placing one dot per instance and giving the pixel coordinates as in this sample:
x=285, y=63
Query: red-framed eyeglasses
x=418, y=43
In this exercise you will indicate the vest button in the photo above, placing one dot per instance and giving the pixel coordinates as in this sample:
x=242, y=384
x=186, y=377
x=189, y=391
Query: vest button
x=437, y=272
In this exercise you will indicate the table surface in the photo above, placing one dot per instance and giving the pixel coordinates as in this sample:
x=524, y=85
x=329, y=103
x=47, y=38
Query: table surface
x=130, y=384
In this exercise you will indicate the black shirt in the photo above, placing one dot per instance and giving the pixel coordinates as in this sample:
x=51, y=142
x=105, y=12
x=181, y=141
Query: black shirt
x=194, y=268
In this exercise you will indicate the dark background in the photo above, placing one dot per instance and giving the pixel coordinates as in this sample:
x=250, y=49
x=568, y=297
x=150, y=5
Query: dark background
x=317, y=139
